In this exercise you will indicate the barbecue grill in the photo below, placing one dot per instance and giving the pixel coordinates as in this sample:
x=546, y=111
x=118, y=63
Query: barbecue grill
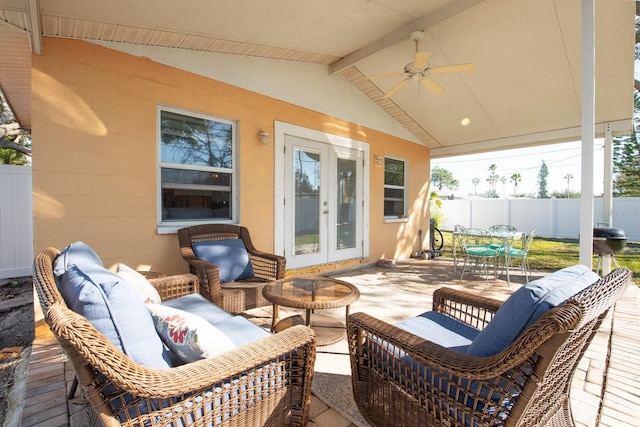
x=607, y=241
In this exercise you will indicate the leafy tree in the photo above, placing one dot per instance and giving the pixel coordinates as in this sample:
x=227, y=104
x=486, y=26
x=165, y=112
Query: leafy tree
x=10, y=156
x=516, y=178
x=626, y=159
x=626, y=150
x=442, y=178
x=566, y=194
x=542, y=181
x=15, y=142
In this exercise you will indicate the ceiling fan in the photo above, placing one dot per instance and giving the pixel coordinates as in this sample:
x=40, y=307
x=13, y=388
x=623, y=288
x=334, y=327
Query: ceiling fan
x=419, y=70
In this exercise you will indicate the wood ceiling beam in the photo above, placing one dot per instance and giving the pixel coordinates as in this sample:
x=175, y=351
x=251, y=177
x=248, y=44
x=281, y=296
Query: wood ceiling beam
x=398, y=36
x=36, y=33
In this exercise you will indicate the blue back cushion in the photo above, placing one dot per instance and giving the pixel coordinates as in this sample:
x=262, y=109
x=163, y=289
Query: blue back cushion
x=527, y=304
x=229, y=255
x=110, y=304
x=76, y=253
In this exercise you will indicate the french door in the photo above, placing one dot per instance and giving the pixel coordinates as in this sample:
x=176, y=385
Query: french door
x=323, y=205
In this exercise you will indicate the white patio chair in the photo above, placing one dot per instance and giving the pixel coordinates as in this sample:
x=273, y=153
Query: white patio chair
x=522, y=254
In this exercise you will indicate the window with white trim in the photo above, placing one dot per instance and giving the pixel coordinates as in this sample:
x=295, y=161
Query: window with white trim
x=197, y=167
x=394, y=188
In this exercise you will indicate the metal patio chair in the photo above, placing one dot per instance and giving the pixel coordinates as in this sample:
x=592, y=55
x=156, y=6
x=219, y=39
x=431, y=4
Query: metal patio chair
x=478, y=250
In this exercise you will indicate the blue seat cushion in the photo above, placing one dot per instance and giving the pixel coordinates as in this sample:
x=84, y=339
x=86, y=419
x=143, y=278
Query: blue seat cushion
x=241, y=331
x=440, y=329
x=198, y=305
x=105, y=300
x=229, y=255
x=525, y=306
x=237, y=328
x=482, y=251
x=447, y=332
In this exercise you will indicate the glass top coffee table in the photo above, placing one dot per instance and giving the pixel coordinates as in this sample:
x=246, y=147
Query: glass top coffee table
x=310, y=294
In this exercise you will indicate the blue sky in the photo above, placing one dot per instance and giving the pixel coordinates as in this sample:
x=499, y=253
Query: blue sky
x=561, y=159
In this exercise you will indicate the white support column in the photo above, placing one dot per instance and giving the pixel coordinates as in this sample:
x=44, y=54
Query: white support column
x=607, y=196
x=588, y=132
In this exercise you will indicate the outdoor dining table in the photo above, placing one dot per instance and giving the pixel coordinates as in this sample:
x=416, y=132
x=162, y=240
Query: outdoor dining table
x=504, y=236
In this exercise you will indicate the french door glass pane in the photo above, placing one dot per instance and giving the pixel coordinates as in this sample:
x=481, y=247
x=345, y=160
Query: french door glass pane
x=307, y=202
x=346, y=208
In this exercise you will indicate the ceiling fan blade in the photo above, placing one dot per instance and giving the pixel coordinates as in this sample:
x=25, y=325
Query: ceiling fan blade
x=457, y=68
x=421, y=60
x=432, y=86
x=396, y=88
x=378, y=76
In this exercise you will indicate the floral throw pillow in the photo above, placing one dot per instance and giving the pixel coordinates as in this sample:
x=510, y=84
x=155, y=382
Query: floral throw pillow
x=187, y=335
x=140, y=283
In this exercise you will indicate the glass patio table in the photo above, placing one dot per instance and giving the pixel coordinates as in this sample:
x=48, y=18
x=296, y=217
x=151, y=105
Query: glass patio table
x=310, y=294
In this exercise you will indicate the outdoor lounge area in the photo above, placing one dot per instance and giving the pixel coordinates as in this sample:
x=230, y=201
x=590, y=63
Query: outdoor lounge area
x=316, y=126
x=603, y=390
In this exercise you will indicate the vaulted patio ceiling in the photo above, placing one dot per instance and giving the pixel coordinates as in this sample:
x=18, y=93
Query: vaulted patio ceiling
x=526, y=89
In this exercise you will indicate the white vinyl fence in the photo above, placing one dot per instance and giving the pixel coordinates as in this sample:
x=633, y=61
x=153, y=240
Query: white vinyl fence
x=550, y=217
x=16, y=221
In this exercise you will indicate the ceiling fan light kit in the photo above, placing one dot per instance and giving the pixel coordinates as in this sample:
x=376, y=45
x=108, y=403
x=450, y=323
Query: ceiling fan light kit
x=419, y=70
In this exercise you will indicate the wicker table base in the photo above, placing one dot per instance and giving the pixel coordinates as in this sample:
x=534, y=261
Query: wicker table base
x=328, y=329
x=312, y=294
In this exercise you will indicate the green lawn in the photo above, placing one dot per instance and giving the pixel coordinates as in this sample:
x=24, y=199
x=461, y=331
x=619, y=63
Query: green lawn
x=552, y=254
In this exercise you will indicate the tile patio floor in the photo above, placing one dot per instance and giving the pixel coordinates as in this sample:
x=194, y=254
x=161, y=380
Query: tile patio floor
x=605, y=390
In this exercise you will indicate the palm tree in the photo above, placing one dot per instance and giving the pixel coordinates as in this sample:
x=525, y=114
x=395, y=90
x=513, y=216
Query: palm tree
x=475, y=182
x=493, y=179
x=515, y=178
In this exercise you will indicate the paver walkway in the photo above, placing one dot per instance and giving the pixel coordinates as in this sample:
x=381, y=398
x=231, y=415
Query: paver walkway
x=605, y=389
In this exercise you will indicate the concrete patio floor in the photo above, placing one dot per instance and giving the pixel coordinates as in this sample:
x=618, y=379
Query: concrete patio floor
x=604, y=391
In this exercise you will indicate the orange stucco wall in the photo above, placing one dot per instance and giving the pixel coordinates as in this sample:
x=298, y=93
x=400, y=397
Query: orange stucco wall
x=94, y=155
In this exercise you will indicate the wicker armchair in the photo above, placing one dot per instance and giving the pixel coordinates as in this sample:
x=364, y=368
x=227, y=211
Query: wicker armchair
x=400, y=379
x=267, y=382
x=235, y=296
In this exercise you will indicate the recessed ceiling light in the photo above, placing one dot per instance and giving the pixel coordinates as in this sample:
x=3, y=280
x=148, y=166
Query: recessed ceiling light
x=465, y=121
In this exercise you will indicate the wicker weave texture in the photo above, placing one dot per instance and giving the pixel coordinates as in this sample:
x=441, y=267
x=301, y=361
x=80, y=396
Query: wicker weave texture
x=265, y=383
x=234, y=297
x=400, y=379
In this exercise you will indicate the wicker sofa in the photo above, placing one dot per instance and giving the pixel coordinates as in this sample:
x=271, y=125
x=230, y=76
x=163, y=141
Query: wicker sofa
x=475, y=361
x=262, y=379
x=203, y=248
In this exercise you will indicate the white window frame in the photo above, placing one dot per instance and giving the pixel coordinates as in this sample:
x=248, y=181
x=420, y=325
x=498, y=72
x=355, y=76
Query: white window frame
x=404, y=216
x=166, y=227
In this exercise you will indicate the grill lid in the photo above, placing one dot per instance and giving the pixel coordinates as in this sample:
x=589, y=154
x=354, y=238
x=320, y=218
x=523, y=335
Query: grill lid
x=609, y=233
x=607, y=241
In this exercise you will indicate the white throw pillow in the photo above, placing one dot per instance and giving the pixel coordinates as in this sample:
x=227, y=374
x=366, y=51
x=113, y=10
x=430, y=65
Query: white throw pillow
x=140, y=283
x=187, y=335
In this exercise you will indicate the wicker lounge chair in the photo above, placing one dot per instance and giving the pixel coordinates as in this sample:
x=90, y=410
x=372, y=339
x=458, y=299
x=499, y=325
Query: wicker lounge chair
x=266, y=382
x=401, y=379
x=237, y=295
